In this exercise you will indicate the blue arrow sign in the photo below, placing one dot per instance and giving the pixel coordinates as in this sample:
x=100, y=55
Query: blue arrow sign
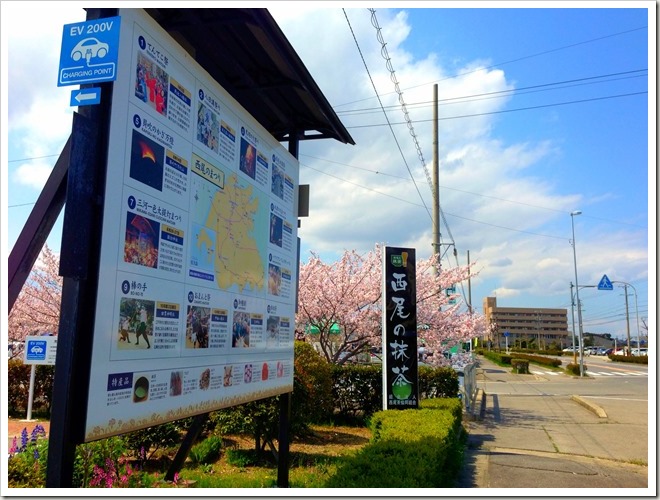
x=605, y=283
x=84, y=97
x=507, y=333
x=89, y=52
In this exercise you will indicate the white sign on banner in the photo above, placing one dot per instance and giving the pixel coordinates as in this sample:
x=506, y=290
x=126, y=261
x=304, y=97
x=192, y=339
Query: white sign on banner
x=196, y=300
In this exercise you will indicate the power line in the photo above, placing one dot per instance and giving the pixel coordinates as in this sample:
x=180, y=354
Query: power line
x=513, y=60
x=505, y=93
x=508, y=110
x=391, y=129
x=424, y=206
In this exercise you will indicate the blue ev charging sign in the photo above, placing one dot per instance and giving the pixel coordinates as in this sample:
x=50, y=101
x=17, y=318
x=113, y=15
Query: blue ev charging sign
x=89, y=52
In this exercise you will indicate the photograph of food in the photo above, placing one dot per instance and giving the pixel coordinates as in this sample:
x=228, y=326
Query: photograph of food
x=264, y=372
x=205, y=379
x=176, y=384
x=280, y=369
x=141, y=390
x=247, y=373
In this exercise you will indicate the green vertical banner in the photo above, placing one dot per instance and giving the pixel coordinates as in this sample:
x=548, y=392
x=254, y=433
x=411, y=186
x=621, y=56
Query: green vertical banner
x=400, y=384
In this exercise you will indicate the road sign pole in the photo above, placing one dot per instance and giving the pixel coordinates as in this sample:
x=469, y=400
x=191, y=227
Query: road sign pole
x=33, y=375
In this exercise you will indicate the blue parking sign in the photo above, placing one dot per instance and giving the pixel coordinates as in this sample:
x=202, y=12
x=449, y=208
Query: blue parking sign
x=89, y=52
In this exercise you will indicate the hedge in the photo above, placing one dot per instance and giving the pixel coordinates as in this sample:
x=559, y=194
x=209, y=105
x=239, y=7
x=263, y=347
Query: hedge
x=420, y=448
x=642, y=360
x=18, y=388
x=358, y=389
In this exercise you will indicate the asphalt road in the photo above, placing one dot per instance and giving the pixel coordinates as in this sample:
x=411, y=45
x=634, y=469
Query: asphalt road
x=535, y=433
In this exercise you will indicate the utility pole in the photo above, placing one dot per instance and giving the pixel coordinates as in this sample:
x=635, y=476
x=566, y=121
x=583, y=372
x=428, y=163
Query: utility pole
x=469, y=284
x=436, y=182
x=625, y=291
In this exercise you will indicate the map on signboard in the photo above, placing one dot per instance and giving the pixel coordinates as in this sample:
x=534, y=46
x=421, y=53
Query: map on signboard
x=225, y=241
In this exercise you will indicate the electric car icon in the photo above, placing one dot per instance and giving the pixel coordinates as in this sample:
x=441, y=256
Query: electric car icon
x=89, y=48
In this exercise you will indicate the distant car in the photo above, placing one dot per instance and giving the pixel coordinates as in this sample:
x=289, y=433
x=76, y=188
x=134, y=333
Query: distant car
x=608, y=351
x=91, y=47
x=602, y=351
x=620, y=352
x=640, y=352
x=570, y=349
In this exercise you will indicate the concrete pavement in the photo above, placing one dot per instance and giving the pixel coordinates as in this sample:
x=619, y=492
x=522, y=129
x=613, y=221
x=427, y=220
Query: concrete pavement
x=524, y=437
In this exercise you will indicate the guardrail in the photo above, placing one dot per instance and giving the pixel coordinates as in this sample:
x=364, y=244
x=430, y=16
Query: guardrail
x=467, y=383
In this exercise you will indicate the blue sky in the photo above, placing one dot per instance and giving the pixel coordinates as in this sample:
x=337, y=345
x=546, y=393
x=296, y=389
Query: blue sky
x=545, y=109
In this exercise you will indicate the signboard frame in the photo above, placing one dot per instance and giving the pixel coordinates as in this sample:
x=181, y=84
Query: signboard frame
x=400, y=360
x=170, y=295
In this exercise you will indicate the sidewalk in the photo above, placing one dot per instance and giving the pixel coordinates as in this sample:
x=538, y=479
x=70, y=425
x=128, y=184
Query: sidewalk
x=531, y=440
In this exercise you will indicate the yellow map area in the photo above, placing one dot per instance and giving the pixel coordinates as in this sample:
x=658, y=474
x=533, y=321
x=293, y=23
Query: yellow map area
x=237, y=259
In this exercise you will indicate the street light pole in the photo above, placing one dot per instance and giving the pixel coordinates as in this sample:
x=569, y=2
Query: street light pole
x=577, y=293
x=573, y=318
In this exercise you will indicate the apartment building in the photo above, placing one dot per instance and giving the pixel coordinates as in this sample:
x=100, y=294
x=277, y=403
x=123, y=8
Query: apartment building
x=526, y=326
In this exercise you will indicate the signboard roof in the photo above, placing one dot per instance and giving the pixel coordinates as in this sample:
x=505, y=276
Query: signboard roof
x=245, y=51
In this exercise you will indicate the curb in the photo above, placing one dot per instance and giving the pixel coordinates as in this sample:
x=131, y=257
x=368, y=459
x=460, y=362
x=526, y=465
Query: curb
x=592, y=407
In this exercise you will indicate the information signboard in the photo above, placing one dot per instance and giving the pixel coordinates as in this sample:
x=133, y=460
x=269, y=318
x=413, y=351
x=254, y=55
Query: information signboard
x=400, y=383
x=197, y=273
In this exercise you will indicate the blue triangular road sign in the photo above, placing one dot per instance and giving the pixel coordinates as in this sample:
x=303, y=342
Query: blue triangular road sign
x=605, y=283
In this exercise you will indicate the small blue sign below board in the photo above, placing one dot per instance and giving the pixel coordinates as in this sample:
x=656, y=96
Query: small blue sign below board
x=84, y=97
x=89, y=52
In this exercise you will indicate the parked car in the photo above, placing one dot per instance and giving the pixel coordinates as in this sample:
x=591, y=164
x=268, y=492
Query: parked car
x=640, y=352
x=570, y=349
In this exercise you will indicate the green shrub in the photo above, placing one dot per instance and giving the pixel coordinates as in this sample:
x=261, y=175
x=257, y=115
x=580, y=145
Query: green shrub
x=574, y=368
x=520, y=365
x=642, y=360
x=357, y=390
x=420, y=448
x=206, y=451
x=311, y=402
x=145, y=442
x=312, y=399
x=18, y=388
x=541, y=360
x=441, y=382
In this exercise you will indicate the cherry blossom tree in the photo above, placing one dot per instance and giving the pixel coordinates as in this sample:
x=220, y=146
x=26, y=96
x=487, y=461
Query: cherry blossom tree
x=344, y=294
x=347, y=293
x=37, y=308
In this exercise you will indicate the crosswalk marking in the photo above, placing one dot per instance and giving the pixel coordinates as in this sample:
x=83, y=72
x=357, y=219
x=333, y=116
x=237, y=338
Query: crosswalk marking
x=596, y=374
x=621, y=374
